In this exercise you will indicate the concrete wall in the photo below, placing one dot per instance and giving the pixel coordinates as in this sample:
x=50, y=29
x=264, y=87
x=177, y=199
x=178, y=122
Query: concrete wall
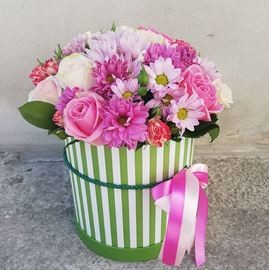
x=235, y=34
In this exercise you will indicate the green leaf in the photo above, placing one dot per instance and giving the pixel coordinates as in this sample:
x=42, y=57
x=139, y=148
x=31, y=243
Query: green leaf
x=214, y=117
x=176, y=139
x=59, y=132
x=143, y=77
x=149, y=96
x=200, y=130
x=155, y=111
x=174, y=129
x=39, y=62
x=113, y=27
x=58, y=53
x=140, y=145
x=142, y=91
x=39, y=114
x=214, y=133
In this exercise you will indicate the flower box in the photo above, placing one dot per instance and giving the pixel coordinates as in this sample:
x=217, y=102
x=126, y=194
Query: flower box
x=123, y=224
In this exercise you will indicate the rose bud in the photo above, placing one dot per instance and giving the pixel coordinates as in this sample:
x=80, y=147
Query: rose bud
x=158, y=132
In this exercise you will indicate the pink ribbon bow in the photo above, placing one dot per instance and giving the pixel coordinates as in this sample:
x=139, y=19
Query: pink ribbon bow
x=184, y=198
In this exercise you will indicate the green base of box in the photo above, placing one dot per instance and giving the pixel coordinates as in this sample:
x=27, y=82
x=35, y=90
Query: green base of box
x=119, y=254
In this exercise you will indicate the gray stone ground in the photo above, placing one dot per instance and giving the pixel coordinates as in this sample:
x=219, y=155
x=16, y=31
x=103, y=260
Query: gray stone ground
x=36, y=216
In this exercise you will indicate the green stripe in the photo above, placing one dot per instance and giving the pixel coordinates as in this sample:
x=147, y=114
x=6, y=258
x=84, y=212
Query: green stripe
x=87, y=187
x=111, y=196
x=185, y=161
x=192, y=147
x=152, y=207
x=79, y=186
x=73, y=184
x=139, y=198
x=125, y=196
x=96, y=174
x=166, y=152
x=177, y=153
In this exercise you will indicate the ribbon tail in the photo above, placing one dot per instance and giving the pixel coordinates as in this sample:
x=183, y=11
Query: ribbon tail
x=187, y=230
x=200, y=231
x=175, y=219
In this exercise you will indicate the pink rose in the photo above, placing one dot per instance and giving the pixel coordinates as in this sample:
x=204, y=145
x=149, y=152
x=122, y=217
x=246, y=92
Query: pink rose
x=82, y=118
x=47, y=90
x=196, y=81
x=41, y=72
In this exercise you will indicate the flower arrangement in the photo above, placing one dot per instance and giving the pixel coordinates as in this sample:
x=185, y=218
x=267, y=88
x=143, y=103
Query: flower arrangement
x=127, y=87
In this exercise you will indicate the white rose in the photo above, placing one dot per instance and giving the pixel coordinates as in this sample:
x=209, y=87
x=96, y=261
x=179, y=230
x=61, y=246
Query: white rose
x=75, y=71
x=47, y=90
x=224, y=93
x=152, y=37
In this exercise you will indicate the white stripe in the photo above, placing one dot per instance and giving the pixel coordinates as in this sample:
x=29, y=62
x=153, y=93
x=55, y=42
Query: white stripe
x=92, y=193
x=158, y=213
x=76, y=187
x=71, y=178
x=104, y=192
x=146, y=194
x=159, y=164
x=172, y=154
x=181, y=154
x=132, y=197
x=83, y=190
x=117, y=193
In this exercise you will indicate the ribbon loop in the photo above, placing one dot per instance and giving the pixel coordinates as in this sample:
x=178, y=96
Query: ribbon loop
x=184, y=198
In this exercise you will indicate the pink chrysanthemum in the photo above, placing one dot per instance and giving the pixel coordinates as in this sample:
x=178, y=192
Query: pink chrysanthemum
x=186, y=53
x=164, y=102
x=106, y=73
x=124, y=123
x=67, y=95
x=76, y=45
x=155, y=51
x=186, y=112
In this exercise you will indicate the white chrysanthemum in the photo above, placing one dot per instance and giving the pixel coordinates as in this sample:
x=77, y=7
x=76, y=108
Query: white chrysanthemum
x=132, y=43
x=102, y=46
x=186, y=112
x=125, y=89
x=163, y=76
x=224, y=93
x=208, y=67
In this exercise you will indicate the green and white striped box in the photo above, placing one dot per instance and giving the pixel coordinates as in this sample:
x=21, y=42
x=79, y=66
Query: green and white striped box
x=121, y=224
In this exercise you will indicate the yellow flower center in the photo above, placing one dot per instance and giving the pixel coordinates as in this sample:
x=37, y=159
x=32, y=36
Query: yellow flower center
x=162, y=79
x=127, y=94
x=182, y=114
x=109, y=79
x=166, y=100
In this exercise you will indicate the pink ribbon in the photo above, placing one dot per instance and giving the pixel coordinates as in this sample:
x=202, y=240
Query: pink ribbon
x=184, y=198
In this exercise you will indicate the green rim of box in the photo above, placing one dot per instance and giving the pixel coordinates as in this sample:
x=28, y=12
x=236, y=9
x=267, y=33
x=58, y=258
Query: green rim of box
x=119, y=254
